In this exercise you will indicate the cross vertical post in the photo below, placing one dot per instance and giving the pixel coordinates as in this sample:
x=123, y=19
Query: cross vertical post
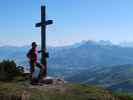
x=43, y=39
x=43, y=24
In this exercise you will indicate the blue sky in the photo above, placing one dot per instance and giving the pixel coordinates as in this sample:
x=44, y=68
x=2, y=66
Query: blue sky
x=74, y=21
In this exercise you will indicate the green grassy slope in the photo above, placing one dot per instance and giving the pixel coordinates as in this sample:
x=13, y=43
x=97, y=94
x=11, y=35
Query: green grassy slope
x=19, y=90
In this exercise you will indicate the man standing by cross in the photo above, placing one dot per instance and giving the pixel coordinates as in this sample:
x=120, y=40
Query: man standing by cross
x=43, y=24
x=32, y=55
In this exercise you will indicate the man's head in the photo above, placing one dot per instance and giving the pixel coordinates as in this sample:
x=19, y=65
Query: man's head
x=34, y=44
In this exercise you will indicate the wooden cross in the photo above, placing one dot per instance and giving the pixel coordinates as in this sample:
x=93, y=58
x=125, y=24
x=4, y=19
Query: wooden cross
x=43, y=24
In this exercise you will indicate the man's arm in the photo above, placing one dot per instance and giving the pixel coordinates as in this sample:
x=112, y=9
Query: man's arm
x=40, y=51
x=28, y=54
x=43, y=51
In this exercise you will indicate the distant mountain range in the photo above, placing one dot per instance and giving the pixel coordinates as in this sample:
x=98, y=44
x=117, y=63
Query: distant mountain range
x=126, y=44
x=119, y=77
x=91, y=53
x=101, y=63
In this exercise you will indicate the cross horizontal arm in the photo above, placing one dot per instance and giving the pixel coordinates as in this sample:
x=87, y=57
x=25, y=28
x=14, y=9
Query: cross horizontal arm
x=48, y=22
x=38, y=24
